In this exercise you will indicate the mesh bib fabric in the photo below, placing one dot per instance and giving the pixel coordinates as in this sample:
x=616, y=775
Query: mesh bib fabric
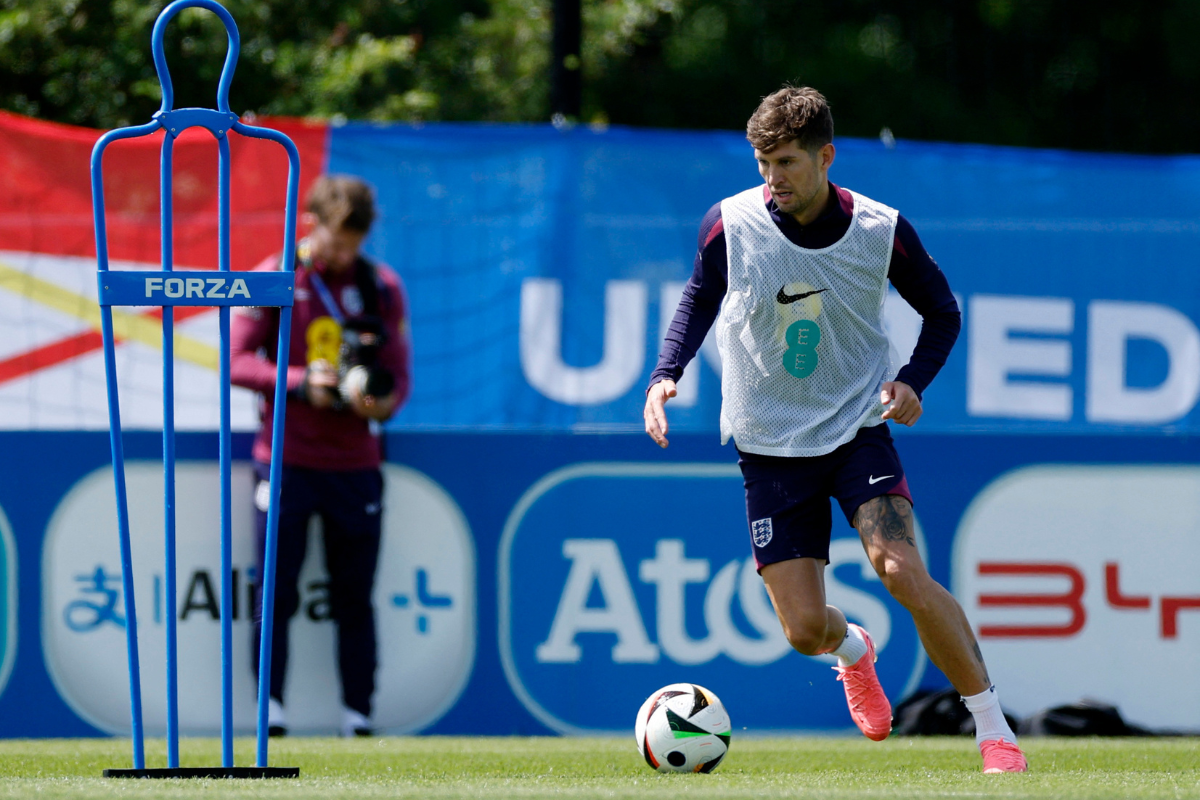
x=803, y=348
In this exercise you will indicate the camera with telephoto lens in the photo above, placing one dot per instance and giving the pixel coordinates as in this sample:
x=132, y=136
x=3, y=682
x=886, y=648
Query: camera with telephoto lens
x=358, y=367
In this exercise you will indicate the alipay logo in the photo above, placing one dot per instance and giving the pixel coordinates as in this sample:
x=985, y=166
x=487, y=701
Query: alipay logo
x=424, y=605
x=611, y=603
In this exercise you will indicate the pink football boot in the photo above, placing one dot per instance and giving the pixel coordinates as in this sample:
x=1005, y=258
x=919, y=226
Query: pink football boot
x=869, y=706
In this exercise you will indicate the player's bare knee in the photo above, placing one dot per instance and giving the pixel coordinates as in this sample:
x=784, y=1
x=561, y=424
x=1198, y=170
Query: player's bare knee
x=806, y=642
x=907, y=583
x=806, y=636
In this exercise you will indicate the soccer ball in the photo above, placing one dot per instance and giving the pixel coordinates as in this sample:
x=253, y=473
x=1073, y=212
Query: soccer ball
x=682, y=728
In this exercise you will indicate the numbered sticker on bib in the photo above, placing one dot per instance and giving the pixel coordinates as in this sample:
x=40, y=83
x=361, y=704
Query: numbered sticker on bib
x=801, y=337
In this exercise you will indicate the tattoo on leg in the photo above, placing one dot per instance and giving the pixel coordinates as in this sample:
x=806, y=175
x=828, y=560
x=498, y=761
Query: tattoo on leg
x=888, y=517
x=979, y=658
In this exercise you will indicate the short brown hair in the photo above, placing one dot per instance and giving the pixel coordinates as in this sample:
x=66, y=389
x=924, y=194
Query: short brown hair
x=798, y=113
x=342, y=202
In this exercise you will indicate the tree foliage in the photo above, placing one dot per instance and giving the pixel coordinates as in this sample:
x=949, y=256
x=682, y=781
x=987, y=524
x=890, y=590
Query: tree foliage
x=1071, y=74
x=1096, y=75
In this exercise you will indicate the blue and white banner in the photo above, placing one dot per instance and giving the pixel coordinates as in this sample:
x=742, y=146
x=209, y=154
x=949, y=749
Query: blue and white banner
x=544, y=266
x=542, y=583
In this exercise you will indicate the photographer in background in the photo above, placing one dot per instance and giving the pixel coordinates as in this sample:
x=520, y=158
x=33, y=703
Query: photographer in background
x=348, y=370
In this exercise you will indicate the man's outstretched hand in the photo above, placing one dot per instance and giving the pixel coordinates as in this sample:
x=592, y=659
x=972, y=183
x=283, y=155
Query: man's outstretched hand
x=655, y=412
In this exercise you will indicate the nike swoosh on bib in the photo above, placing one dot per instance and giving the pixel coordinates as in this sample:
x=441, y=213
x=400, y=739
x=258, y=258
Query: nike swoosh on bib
x=783, y=298
x=871, y=479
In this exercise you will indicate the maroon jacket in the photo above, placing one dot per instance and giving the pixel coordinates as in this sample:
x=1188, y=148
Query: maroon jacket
x=317, y=438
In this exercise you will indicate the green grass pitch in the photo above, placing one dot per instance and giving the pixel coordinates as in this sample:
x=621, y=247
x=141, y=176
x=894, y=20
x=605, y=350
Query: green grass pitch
x=491, y=768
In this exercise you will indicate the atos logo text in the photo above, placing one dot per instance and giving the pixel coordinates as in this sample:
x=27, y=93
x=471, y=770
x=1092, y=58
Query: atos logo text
x=1072, y=600
x=216, y=288
x=589, y=599
x=597, y=564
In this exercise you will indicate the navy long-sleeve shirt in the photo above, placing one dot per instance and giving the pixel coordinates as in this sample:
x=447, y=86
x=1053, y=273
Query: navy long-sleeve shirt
x=912, y=272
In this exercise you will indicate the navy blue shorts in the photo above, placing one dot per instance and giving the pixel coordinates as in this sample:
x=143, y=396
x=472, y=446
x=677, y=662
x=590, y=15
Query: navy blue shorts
x=787, y=499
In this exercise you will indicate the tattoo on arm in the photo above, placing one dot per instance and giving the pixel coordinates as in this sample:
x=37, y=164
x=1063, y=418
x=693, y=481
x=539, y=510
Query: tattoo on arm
x=888, y=517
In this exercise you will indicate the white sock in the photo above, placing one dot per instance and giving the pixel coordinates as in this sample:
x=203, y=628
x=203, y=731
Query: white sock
x=852, y=648
x=275, y=715
x=989, y=719
x=352, y=720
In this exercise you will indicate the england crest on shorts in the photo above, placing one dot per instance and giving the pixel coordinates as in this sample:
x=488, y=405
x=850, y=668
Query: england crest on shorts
x=761, y=532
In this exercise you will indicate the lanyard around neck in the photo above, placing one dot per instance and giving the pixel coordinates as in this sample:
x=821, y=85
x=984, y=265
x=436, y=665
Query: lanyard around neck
x=305, y=255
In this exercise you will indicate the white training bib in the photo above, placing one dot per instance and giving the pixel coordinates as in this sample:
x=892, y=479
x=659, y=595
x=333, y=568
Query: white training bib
x=803, y=349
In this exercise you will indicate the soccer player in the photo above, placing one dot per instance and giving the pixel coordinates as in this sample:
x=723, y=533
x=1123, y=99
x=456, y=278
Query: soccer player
x=794, y=273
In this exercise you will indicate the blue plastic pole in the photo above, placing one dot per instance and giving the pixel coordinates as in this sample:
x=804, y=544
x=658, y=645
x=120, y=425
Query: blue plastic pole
x=288, y=262
x=226, y=480
x=114, y=432
x=168, y=367
x=160, y=56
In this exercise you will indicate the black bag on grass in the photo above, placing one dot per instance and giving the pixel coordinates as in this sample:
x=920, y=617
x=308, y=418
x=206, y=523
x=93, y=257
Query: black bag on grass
x=1085, y=718
x=941, y=713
